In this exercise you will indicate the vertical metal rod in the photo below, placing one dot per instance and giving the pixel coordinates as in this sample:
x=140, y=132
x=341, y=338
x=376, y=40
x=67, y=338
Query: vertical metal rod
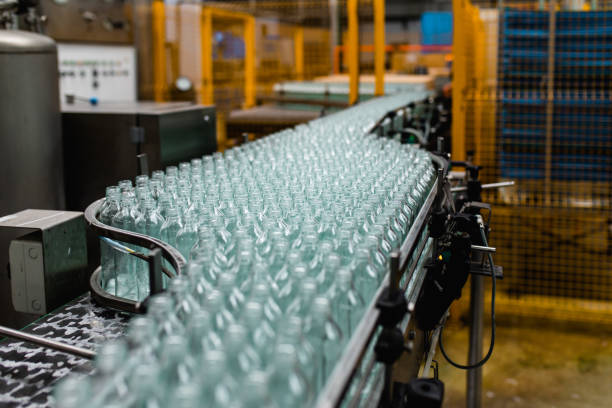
x=298, y=52
x=394, y=273
x=353, y=50
x=379, y=47
x=440, y=144
x=550, y=98
x=155, y=272
x=205, y=87
x=249, y=62
x=333, y=37
x=474, y=377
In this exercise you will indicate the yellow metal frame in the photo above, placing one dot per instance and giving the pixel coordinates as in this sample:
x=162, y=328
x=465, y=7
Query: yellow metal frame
x=353, y=50
x=206, y=89
x=379, y=47
x=298, y=52
x=158, y=13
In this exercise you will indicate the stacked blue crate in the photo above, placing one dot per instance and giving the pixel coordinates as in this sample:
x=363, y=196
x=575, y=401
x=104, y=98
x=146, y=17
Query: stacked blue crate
x=582, y=104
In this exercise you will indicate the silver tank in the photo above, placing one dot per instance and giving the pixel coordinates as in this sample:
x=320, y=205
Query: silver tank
x=31, y=165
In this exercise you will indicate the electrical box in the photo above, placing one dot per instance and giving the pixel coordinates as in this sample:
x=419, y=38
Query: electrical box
x=104, y=72
x=47, y=258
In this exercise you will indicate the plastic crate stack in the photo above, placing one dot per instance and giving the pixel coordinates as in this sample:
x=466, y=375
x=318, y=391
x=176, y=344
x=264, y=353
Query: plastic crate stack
x=581, y=126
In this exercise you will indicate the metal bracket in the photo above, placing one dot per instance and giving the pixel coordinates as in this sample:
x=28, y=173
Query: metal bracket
x=477, y=269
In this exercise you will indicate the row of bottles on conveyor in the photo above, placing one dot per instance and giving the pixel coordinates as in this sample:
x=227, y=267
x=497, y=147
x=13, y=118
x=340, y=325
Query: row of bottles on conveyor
x=287, y=238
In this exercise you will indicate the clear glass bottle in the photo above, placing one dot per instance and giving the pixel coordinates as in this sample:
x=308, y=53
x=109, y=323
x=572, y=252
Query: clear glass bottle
x=222, y=317
x=346, y=303
x=169, y=231
x=187, y=236
x=125, y=275
x=254, y=391
x=288, y=385
x=301, y=305
x=242, y=358
x=326, y=337
x=261, y=334
x=177, y=366
x=107, y=253
x=185, y=304
x=73, y=391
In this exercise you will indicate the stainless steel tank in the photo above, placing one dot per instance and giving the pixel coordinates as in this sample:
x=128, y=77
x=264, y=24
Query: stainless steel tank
x=31, y=165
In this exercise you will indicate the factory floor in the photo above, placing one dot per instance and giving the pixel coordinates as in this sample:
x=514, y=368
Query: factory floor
x=534, y=366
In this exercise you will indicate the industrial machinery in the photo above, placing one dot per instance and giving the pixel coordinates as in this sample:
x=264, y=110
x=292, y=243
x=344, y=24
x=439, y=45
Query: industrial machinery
x=30, y=125
x=102, y=140
x=446, y=243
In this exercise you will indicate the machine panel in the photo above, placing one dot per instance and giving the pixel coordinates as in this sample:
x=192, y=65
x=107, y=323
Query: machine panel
x=104, y=72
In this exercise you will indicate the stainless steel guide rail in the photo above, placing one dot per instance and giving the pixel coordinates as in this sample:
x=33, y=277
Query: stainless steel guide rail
x=104, y=298
x=340, y=378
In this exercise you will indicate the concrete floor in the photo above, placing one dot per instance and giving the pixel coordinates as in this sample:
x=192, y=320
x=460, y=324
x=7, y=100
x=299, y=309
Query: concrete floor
x=534, y=367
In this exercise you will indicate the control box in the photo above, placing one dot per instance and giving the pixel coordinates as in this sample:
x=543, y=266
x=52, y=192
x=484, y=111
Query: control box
x=47, y=258
x=104, y=72
x=27, y=276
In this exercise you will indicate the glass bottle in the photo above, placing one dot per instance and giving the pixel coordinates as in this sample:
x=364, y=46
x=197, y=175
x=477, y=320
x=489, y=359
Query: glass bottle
x=144, y=385
x=177, y=367
x=161, y=310
x=255, y=391
x=107, y=253
x=126, y=285
x=202, y=336
x=366, y=277
x=288, y=385
x=325, y=277
x=242, y=358
x=221, y=317
x=187, y=236
x=291, y=286
x=301, y=305
x=185, y=304
x=261, y=333
x=290, y=331
x=272, y=311
x=169, y=232
x=326, y=337
x=346, y=303
x=73, y=392
x=346, y=247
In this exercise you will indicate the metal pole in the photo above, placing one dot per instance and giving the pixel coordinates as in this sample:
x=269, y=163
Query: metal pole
x=550, y=99
x=474, y=376
x=353, y=50
x=159, y=50
x=333, y=31
x=249, y=62
x=379, y=47
x=52, y=344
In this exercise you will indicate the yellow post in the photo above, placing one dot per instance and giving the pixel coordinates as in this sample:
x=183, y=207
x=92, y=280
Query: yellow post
x=159, y=50
x=476, y=98
x=298, y=52
x=459, y=79
x=379, y=47
x=249, y=62
x=205, y=89
x=353, y=51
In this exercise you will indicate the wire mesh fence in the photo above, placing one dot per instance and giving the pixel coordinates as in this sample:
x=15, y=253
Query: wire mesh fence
x=537, y=108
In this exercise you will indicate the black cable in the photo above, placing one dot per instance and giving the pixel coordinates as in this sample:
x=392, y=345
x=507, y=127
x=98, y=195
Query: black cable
x=492, y=343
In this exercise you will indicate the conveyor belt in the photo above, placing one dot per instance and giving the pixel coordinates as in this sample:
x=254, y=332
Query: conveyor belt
x=29, y=372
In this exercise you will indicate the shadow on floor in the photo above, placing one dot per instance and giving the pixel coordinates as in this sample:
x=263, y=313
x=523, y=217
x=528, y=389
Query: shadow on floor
x=534, y=367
